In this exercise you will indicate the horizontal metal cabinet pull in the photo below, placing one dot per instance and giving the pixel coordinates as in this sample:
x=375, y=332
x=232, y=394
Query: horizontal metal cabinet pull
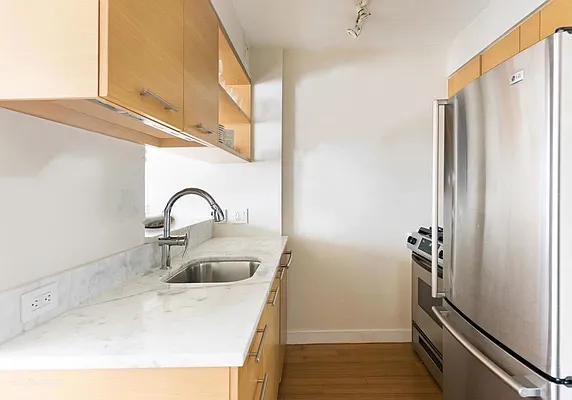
x=275, y=298
x=258, y=353
x=264, y=383
x=203, y=129
x=166, y=105
x=289, y=254
x=523, y=391
x=282, y=272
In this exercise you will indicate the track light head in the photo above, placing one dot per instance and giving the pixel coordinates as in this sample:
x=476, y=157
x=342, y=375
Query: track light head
x=362, y=14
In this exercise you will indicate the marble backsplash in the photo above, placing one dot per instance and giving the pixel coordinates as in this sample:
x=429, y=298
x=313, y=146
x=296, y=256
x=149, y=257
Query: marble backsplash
x=81, y=284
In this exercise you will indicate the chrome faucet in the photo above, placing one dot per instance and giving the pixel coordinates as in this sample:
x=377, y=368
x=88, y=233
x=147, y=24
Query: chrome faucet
x=167, y=240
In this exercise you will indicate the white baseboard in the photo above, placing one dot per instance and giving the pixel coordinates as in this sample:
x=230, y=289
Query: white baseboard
x=350, y=336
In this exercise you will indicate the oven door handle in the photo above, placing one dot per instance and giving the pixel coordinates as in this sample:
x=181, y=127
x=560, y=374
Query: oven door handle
x=435, y=209
x=523, y=391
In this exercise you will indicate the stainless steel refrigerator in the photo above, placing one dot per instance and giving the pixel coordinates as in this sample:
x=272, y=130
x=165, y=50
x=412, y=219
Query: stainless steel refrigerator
x=507, y=213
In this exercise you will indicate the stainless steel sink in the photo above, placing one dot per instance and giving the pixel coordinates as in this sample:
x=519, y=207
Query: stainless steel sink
x=213, y=271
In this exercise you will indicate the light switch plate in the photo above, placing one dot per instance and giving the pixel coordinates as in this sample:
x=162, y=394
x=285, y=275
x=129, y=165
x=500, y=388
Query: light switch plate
x=236, y=216
x=38, y=301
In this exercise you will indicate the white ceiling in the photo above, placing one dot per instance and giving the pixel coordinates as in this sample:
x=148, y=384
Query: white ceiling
x=312, y=24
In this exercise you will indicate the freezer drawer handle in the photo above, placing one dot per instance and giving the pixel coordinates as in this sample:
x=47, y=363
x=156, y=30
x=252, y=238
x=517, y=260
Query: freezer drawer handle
x=435, y=209
x=523, y=391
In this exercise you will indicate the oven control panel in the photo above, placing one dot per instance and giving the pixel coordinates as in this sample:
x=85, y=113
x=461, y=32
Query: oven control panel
x=423, y=246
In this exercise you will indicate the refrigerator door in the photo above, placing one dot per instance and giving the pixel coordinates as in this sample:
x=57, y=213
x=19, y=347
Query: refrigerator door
x=497, y=205
x=467, y=377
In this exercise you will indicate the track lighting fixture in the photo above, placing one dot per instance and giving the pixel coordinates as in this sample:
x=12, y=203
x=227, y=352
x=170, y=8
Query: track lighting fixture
x=362, y=14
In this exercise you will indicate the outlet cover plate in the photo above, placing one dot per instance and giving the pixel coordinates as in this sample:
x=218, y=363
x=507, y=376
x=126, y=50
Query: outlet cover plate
x=38, y=302
x=236, y=216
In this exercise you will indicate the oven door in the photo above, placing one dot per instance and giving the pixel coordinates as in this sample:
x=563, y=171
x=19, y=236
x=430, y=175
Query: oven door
x=422, y=302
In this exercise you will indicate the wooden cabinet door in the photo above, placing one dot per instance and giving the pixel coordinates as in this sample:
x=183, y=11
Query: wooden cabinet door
x=465, y=75
x=530, y=31
x=283, y=319
x=141, y=57
x=272, y=350
x=501, y=51
x=201, y=101
x=557, y=14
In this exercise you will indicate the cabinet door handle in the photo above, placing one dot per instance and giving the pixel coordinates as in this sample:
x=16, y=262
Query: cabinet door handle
x=201, y=128
x=166, y=105
x=264, y=383
x=258, y=353
x=282, y=272
x=289, y=254
x=275, y=298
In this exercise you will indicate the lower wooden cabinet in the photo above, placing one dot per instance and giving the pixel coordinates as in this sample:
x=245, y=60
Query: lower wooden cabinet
x=283, y=317
x=258, y=379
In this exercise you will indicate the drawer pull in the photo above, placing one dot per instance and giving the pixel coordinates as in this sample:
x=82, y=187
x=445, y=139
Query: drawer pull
x=166, y=105
x=258, y=353
x=275, y=298
x=201, y=128
x=264, y=383
x=282, y=272
x=289, y=254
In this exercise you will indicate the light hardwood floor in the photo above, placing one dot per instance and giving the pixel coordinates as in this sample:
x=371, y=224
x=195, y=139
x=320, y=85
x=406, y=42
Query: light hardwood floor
x=385, y=371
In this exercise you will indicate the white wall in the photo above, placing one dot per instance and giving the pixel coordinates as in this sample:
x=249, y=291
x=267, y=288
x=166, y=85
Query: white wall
x=227, y=14
x=495, y=20
x=68, y=197
x=357, y=161
x=256, y=185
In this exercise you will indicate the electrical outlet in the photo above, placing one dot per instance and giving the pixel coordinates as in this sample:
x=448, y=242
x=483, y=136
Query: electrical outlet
x=237, y=216
x=38, y=301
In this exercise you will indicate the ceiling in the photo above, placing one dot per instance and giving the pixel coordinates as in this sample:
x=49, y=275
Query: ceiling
x=312, y=24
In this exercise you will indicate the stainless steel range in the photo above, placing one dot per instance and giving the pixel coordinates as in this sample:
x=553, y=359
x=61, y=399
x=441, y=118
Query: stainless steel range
x=426, y=328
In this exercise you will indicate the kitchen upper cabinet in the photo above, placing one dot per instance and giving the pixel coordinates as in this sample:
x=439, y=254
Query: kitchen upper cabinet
x=556, y=14
x=501, y=51
x=468, y=73
x=543, y=23
x=530, y=32
x=140, y=70
x=201, y=100
x=141, y=56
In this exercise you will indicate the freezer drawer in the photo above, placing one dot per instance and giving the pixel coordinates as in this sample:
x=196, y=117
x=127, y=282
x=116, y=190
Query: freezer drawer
x=468, y=376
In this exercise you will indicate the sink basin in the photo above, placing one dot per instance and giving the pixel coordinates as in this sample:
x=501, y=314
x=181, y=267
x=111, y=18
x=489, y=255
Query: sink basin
x=213, y=271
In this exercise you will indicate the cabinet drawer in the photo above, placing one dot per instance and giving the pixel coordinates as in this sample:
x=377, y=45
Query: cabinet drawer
x=252, y=373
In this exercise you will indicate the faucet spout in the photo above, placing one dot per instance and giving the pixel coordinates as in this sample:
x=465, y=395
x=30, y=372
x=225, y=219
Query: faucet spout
x=167, y=240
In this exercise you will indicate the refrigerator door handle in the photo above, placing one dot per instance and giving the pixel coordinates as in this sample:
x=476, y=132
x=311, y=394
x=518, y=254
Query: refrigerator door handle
x=435, y=211
x=523, y=391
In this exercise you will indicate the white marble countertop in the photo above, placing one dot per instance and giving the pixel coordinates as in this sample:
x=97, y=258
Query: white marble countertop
x=150, y=324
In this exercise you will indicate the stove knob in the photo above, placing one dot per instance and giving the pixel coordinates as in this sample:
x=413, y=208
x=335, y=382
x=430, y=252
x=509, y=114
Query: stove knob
x=411, y=240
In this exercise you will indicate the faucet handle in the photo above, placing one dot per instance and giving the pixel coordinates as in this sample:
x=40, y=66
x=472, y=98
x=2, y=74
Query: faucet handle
x=186, y=246
x=173, y=241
